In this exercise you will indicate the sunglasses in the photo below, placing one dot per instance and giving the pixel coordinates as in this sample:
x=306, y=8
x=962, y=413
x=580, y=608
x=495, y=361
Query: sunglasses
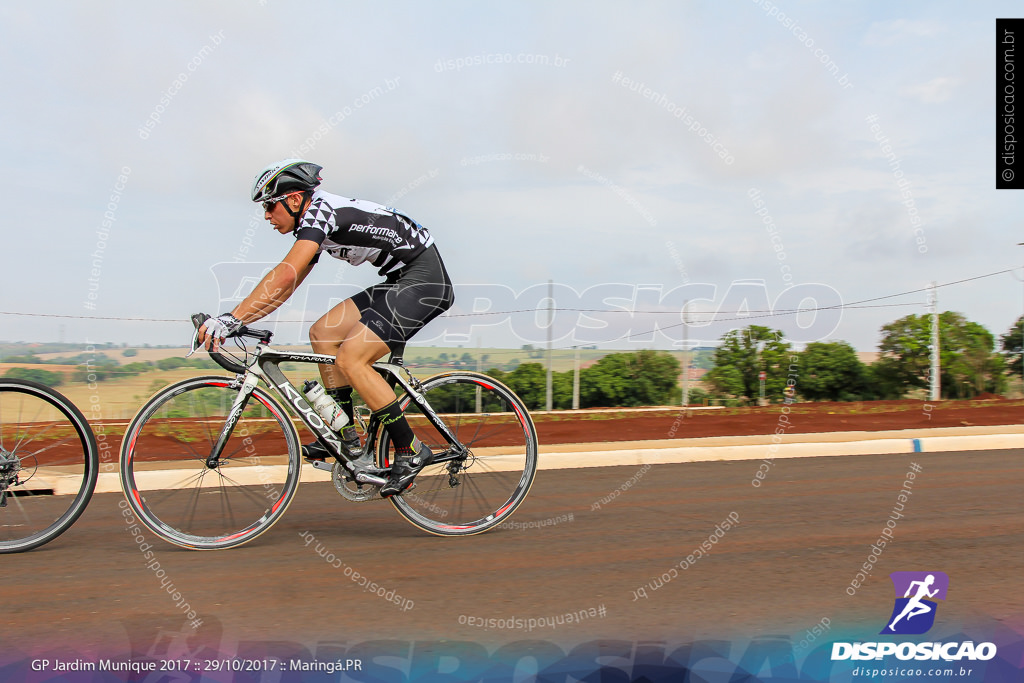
x=269, y=204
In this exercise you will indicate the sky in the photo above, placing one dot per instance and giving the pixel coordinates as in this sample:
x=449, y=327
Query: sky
x=718, y=163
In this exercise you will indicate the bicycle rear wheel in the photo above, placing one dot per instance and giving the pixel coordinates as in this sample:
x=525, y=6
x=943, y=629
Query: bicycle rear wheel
x=480, y=488
x=174, y=493
x=48, y=464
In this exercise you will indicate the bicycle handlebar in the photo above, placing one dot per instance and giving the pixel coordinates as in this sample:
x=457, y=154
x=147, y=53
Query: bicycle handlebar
x=219, y=358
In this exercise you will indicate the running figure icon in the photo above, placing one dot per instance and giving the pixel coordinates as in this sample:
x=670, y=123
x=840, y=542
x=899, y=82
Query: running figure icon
x=915, y=606
x=916, y=596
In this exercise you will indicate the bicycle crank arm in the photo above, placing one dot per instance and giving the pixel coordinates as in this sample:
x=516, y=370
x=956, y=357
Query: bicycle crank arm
x=364, y=478
x=360, y=477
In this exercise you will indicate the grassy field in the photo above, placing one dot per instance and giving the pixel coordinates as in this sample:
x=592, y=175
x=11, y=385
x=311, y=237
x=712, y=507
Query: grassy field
x=121, y=398
x=426, y=358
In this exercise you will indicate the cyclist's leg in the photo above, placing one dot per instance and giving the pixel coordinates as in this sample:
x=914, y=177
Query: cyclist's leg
x=389, y=319
x=326, y=335
x=356, y=357
x=360, y=349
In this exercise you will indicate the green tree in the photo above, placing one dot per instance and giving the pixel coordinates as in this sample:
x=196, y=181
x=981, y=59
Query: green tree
x=50, y=379
x=742, y=355
x=104, y=368
x=643, y=378
x=28, y=358
x=134, y=369
x=529, y=381
x=498, y=374
x=172, y=363
x=128, y=353
x=561, y=390
x=968, y=364
x=831, y=371
x=975, y=368
x=1012, y=345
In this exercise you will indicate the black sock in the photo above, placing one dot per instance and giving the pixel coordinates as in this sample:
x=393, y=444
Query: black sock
x=393, y=419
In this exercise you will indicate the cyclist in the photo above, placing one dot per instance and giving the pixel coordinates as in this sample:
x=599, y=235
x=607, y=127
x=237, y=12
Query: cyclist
x=363, y=328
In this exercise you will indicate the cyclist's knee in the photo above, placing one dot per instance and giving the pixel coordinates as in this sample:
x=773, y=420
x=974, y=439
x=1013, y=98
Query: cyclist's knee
x=351, y=358
x=318, y=332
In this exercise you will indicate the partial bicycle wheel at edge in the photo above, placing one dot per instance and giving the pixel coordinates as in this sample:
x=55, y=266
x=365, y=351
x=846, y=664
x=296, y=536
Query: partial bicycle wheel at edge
x=481, y=489
x=174, y=493
x=48, y=464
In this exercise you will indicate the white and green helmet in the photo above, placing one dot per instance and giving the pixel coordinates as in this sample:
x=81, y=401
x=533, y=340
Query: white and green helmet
x=290, y=175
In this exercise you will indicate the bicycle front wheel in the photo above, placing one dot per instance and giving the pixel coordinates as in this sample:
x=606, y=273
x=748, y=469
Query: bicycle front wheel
x=168, y=484
x=479, y=488
x=48, y=464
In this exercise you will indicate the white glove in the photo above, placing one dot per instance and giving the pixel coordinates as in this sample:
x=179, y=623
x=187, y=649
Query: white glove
x=223, y=325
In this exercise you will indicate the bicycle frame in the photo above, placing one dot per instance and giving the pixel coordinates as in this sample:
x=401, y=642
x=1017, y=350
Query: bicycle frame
x=265, y=368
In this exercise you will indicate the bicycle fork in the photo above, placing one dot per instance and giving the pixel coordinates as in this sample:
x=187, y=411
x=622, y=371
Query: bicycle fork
x=250, y=382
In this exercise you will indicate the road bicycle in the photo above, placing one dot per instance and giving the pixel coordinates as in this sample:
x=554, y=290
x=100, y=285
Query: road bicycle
x=48, y=464
x=213, y=462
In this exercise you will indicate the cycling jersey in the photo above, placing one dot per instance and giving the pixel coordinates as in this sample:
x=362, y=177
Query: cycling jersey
x=356, y=230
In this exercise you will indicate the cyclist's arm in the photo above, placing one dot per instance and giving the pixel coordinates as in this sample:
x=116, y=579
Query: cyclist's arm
x=279, y=283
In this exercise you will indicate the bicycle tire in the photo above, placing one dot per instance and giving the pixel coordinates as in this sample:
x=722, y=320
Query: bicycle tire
x=168, y=485
x=49, y=464
x=480, y=492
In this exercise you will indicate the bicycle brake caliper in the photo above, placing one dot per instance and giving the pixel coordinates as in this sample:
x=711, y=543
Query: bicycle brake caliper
x=413, y=382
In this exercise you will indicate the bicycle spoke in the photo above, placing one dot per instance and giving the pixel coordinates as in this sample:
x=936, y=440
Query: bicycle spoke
x=231, y=503
x=489, y=486
x=44, y=449
x=33, y=419
x=193, y=494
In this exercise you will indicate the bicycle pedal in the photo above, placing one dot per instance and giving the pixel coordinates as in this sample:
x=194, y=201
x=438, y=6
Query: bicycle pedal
x=322, y=465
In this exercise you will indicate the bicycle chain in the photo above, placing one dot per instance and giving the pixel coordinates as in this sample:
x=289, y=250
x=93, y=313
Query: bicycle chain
x=378, y=499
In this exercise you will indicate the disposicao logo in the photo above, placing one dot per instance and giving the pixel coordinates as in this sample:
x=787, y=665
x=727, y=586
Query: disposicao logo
x=913, y=614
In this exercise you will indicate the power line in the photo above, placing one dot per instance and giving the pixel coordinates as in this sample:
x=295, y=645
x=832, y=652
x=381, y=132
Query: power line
x=760, y=313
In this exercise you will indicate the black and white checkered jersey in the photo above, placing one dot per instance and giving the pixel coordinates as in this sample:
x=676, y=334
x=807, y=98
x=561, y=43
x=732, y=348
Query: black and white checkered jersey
x=356, y=230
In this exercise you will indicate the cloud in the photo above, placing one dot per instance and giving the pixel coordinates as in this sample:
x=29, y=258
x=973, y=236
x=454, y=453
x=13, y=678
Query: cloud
x=895, y=31
x=934, y=91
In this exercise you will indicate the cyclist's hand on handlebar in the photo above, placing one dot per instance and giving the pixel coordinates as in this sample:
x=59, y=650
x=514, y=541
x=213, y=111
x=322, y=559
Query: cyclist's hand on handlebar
x=215, y=330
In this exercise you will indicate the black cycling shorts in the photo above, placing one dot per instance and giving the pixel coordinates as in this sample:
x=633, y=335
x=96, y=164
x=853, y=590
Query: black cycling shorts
x=399, y=307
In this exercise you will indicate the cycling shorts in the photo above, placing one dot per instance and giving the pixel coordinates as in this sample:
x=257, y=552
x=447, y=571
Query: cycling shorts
x=411, y=297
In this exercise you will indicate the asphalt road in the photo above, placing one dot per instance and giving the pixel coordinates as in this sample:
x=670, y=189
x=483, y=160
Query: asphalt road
x=787, y=562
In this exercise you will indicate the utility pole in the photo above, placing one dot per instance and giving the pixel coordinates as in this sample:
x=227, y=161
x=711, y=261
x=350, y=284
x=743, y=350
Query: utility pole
x=576, y=380
x=551, y=325
x=933, y=393
x=479, y=392
x=1021, y=244
x=686, y=358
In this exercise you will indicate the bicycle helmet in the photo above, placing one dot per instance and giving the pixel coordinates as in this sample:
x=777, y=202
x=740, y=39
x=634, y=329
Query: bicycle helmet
x=285, y=176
